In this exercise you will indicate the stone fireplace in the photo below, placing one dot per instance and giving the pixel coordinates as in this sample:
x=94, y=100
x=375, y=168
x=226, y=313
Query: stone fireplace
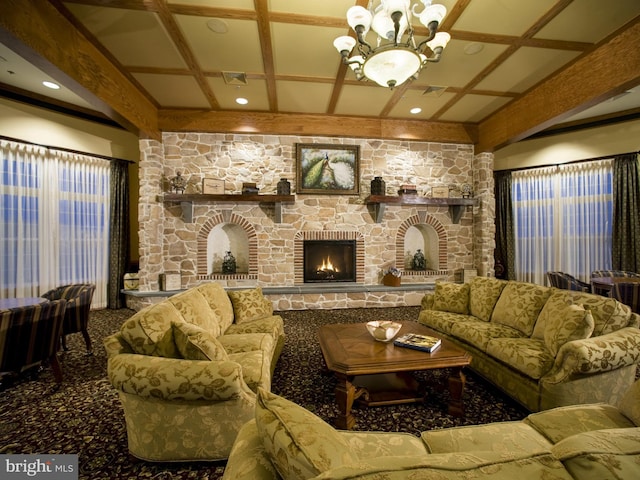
x=270, y=248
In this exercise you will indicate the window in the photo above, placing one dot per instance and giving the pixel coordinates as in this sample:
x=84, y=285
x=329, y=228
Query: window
x=563, y=219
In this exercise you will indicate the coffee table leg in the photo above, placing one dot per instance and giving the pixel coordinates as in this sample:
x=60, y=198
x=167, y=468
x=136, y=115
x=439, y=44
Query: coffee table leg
x=346, y=394
x=456, y=387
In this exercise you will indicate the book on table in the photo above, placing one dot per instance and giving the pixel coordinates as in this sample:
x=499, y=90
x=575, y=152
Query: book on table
x=417, y=341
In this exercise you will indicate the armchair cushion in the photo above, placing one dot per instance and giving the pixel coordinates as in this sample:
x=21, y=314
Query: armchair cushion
x=575, y=324
x=149, y=331
x=299, y=444
x=194, y=343
x=250, y=305
x=451, y=297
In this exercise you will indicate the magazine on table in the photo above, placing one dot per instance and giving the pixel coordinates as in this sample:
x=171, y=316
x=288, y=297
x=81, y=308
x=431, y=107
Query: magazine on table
x=416, y=341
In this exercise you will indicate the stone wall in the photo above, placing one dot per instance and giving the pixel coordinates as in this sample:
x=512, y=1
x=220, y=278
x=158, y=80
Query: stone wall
x=169, y=244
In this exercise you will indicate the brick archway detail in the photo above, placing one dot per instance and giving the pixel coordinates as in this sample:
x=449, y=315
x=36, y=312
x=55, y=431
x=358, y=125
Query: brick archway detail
x=443, y=253
x=226, y=217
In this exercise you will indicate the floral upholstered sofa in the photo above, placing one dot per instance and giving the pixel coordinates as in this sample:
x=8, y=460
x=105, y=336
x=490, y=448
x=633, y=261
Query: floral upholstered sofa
x=188, y=368
x=543, y=346
x=580, y=442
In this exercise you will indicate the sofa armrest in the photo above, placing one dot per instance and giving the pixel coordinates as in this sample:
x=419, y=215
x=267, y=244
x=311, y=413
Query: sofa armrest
x=427, y=301
x=599, y=354
x=177, y=379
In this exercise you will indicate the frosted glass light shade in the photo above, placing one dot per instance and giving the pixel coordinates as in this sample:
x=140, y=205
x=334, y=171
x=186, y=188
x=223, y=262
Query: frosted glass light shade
x=391, y=6
x=382, y=24
x=343, y=43
x=440, y=40
x=390, y=68
x=359, y=16
x=433, y=13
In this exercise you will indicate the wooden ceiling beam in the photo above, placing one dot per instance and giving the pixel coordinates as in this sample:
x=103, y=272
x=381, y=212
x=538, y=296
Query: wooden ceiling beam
x=38, y=32
x=181, y=120
x=608, y=70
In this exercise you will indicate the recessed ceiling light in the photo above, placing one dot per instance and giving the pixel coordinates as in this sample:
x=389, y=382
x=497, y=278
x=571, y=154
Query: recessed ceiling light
x=415, y=110
x=52, y=85
x=242, y=101
x=473, y=48
x=217, y=26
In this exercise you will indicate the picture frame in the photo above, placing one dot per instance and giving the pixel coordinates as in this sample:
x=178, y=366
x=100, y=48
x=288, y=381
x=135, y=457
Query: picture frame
x=212, y=186
x=439, y=192
x=328, y=169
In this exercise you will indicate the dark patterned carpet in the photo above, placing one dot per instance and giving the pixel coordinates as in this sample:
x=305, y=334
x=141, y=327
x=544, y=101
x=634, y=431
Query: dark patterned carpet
x=83, y=416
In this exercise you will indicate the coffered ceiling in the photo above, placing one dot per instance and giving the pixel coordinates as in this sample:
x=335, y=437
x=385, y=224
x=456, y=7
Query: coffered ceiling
x=512, y=68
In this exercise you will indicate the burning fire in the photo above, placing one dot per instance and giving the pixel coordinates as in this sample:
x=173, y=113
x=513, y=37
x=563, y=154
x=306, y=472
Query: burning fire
x=327, y=266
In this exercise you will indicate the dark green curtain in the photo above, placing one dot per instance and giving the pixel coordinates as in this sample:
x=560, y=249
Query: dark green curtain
x=505, y=240
x=625, y=254
x=119, y=232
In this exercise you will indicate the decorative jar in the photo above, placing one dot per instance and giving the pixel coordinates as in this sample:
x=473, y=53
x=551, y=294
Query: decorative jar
x=378, y=186
x=284, y=187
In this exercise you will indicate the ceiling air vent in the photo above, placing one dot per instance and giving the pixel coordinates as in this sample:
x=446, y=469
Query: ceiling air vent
x=434, y=91
x=235, y=78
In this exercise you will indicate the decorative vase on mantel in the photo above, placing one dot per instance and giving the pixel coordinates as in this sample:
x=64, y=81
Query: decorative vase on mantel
x=390, y=280
x=378, y=186
x=284, y=187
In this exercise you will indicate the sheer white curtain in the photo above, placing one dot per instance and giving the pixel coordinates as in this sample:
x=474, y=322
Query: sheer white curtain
x=562, y=220
x=55, y=226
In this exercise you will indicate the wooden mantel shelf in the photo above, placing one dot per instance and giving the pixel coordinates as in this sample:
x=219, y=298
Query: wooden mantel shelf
x=456, y=205
x=186, y=200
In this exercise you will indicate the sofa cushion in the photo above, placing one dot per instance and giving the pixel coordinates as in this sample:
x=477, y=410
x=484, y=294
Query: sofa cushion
x=601, y=454
x=512, y=437
x=272, y=325
x=519, y=305
x=559, y=423
x=195, y=343
x=219, y=302
x=195, y=309
x=441, y=321
x=149, y=331
x=529, y=356
x=576, y=323
x=479, y=333
x=483, y=295
x=247, y=342
x=300, y=444
x=630, y=403
x=609, y=315
x=451, y=297
x=373, y=444
x=555, y=306
x=256, y=368
x=250, y=305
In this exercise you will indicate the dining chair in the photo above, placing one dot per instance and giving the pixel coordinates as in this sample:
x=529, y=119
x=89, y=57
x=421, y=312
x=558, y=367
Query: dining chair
x=567, y=282
x=30, y=335
x=613, y=273
x=76, y=317
x=627, y=293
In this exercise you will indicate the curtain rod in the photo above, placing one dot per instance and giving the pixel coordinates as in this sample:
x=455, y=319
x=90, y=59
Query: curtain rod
x=68, y=150
x=604, y=157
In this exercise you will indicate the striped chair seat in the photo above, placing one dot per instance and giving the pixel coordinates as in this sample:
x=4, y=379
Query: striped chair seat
x=627, y=293
x=76, y=318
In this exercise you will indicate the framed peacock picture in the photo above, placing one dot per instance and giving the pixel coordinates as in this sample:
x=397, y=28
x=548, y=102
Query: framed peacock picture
x=328, y=169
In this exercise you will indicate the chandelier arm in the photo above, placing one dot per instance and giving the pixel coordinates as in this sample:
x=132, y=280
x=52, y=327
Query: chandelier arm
x=433, y=28
x=436, y=56
x=362, y=43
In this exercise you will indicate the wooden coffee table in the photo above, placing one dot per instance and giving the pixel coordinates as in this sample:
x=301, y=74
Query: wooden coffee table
x=378, y=373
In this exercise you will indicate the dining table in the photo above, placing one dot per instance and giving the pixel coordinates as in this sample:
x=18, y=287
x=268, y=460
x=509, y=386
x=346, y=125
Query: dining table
x=604, y=285
x=9, y=303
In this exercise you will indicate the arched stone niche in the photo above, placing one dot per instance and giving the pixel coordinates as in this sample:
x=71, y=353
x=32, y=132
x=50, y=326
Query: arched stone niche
x=422, y=232
x=225, y=232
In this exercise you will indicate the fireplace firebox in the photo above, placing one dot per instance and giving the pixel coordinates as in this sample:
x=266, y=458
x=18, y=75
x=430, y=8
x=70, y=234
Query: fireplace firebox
x=329, y=261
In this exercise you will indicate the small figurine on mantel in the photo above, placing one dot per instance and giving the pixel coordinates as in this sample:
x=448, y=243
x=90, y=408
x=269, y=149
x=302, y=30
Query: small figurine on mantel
x=229, y=263
x=419, y=262
x=178, y=183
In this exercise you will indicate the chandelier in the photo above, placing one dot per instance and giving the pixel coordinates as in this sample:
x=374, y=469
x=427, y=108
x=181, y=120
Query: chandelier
x=397, y=56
